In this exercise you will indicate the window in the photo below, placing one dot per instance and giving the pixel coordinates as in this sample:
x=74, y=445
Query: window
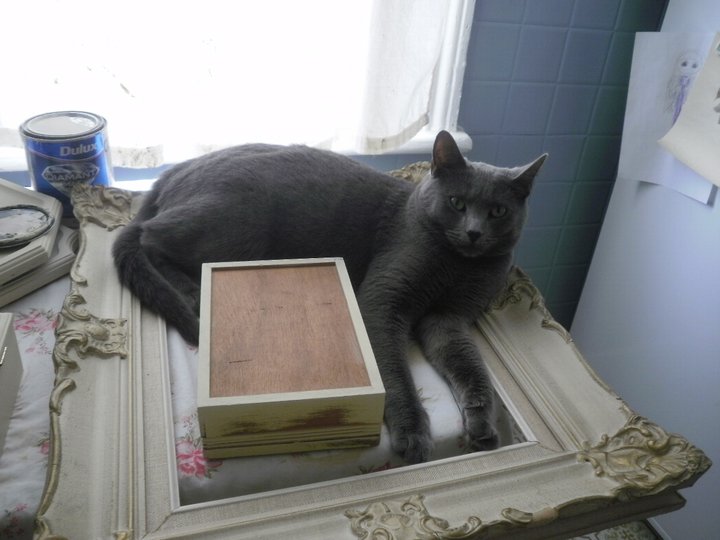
x=179, y=78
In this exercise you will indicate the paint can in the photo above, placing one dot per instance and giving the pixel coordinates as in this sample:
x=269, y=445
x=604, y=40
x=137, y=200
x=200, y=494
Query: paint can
x=66, y=148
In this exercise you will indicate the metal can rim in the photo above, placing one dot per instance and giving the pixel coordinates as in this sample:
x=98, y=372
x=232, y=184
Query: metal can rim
x=29, y=133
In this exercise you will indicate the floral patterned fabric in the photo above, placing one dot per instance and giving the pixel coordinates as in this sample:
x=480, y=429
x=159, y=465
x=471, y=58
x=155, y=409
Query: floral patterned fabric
x=23, y=461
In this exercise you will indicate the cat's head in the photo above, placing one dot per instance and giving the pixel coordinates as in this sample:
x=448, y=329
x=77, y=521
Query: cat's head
x=479, y=208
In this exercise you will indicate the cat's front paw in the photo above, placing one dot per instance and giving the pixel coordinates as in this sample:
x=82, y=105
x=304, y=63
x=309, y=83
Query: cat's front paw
x=411, y=439
x=481, y=432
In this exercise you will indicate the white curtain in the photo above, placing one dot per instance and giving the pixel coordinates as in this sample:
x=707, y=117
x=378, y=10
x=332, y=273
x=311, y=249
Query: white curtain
x=406, y=40
x=179, y=78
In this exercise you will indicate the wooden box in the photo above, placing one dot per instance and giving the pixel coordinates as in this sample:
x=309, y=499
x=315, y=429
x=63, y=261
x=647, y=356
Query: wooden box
x=10, y=373
x=285, y=364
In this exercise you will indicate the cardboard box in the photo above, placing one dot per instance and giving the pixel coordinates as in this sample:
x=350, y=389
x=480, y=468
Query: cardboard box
x=10, y=373
x=285, y=364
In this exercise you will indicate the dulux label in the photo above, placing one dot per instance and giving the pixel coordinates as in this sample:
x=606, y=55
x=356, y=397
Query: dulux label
x=79, y=150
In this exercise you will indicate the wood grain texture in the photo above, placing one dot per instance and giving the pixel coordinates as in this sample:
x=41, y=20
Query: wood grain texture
x=281, y=329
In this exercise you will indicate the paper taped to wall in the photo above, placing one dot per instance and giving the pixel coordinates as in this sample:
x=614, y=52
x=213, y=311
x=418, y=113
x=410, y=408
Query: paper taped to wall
x=694, y=138
x=665, y=67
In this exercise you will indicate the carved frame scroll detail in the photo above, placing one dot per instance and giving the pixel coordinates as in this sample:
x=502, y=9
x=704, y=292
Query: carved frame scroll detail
x=408, y=519
x=644, y=459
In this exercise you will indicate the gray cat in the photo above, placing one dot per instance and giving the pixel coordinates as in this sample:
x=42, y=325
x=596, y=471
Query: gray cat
x=425, y=260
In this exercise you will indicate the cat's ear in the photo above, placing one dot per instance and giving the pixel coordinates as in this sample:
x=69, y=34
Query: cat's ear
x=446, y=154
x=526, y=175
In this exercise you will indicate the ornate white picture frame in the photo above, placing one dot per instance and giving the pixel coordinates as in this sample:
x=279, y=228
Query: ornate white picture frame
x=590, y=462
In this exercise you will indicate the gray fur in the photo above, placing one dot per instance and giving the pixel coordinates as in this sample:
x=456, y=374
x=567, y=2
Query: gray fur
x=425, y=261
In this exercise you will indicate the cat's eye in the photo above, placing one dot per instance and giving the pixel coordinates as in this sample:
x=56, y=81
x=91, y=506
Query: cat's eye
x=457, y=203
x=498, y=211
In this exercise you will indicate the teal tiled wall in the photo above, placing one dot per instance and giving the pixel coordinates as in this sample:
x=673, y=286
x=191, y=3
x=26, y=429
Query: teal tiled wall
x=551, y=76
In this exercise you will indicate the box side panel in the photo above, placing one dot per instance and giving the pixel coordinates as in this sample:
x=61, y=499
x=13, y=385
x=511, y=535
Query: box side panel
x=360, y=331
x=10, y=373
x=203, y=372
x=230, y=450
x=293, y=421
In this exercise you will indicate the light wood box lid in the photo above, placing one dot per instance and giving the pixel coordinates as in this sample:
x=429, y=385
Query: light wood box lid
x=278, y=327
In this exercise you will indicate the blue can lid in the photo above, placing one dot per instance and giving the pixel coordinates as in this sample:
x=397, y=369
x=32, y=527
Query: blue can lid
x=62, y=124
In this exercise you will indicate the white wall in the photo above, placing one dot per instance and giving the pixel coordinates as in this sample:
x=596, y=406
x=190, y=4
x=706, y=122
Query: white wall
x=649, y=323
x=648, y=320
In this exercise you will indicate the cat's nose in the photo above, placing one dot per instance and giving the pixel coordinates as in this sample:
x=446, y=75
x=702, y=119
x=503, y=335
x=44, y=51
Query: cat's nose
x=473, y=236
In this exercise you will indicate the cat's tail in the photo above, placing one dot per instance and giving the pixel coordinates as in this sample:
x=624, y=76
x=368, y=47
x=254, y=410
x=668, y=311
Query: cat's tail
x=138, y=274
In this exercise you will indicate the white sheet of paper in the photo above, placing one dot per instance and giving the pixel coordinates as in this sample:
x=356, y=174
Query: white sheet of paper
x=664, y=68
x=694, y=139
